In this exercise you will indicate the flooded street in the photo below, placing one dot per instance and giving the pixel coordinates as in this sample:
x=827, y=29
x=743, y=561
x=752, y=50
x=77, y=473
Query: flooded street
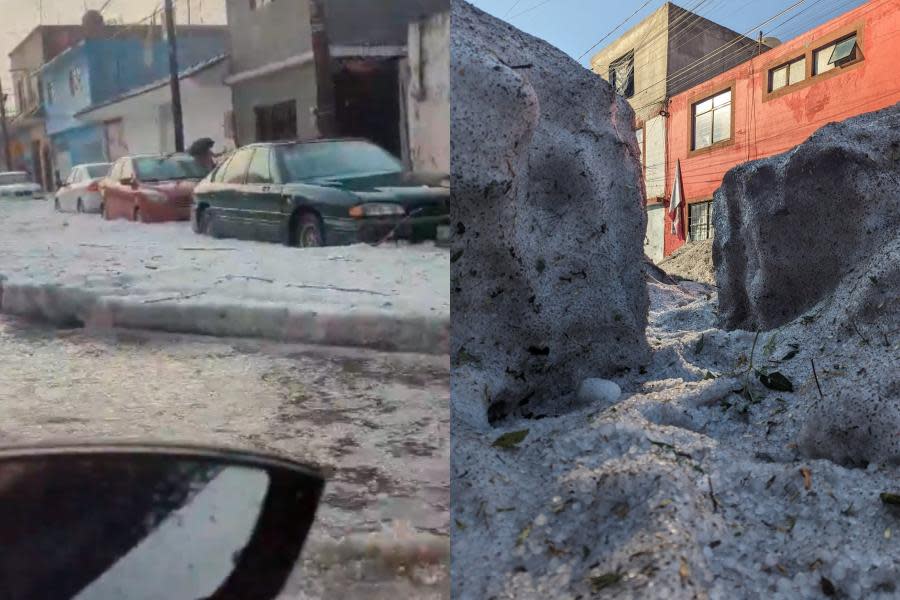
x=377, y=424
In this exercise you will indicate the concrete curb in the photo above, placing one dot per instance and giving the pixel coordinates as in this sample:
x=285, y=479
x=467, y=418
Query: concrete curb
x=74, y=306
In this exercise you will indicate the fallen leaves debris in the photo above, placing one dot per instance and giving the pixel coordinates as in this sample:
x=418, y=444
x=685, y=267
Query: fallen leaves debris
x=807, y=477
x=604, y=581
x=510, y=439
x=776, y=381
x=890, y=498
x=684, y=571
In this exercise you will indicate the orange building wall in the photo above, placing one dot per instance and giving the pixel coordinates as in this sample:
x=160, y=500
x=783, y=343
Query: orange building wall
x=763, y=124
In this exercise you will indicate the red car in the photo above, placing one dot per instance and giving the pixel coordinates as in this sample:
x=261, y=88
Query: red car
x=151, y=189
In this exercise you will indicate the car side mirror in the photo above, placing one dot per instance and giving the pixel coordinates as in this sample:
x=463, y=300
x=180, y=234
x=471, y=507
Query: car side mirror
x=163, y=521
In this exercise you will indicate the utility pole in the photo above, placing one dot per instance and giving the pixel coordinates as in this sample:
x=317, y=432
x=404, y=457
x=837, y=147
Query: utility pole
x=6, y=153
x=173, y=78
x=326, y=119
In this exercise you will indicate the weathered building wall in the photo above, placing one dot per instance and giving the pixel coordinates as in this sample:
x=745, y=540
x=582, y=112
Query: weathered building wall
x=694, y=49
x=649, y=40
x=271, y=63
x=272, y=33
x=296, y=84
x=146, y=119
x=765, y=124
x=428, y=94
x=351, y=22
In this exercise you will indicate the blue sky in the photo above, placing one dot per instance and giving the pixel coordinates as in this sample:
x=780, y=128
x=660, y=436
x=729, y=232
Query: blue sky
x=576, y=25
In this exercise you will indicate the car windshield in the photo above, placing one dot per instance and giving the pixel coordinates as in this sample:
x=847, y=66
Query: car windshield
x=13, y=178
x=163, y=168
x=97, y=171
x=331, y=159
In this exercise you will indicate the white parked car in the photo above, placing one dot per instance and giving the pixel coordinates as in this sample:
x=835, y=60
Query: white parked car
x=81, y=191
x=17, y=184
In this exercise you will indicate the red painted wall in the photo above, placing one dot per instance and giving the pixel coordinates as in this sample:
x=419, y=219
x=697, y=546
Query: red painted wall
x=765, y=124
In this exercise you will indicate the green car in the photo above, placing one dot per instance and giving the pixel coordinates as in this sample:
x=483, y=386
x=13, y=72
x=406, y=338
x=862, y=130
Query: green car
x=325, y=192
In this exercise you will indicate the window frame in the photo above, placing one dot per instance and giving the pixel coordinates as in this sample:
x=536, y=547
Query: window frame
x=75, y=80
x=703, y=97
x=625, y=58
x=641, y=133
x=833, y=46
x=707, y=226
x=246, y=150
x=259, y=150
x=256, y=5
x=809, y=52
x=787, y=65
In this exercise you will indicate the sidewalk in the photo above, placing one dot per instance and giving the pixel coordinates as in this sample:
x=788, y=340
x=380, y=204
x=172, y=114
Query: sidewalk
x=79, y=269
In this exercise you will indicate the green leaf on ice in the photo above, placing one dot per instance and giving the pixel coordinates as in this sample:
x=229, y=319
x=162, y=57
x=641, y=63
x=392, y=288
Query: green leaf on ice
x=510, y=439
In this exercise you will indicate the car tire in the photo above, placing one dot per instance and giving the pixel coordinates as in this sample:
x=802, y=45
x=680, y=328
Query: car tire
x=309, y=232
x=79, y=207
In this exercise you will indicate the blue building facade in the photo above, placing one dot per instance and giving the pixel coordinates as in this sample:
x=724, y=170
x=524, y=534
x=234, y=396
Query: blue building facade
x=100, y=69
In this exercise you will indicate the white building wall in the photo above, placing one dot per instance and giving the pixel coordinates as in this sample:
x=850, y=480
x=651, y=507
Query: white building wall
x=428, y=94
x=147, y=123
x=149, y=128
x=655, y=157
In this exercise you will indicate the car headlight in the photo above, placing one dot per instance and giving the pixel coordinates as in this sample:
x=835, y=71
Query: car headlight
x=375, y=209
x=156, y=197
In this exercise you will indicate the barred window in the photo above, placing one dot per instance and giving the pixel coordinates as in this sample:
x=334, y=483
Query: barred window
x=700, y=221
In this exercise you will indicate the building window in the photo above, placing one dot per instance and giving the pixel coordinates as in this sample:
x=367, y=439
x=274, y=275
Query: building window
x=257, y=4
x=640, y=140
x=20, y=96
x=787, y=74
x=700, y=221
x=836, y=54
x=621, y=75
x=277, y=122
x=712, y=120
x=75, y=80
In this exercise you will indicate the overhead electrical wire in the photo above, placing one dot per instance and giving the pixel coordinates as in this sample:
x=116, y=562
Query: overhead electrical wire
x=614, y=29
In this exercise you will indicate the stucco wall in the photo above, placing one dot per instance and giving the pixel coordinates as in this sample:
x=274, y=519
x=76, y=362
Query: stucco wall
x=272, y=33
x=428, y=94
x=649, y=41
x=147, y=121
x=695, y=50
x=297, y=84
x=764, y=126
x=352, y=22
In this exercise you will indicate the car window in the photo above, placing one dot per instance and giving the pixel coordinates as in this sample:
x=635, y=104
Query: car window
x=73, y=177
x=13, y=178
x=237, y=167
x=168, y=168
x=96, y=171
x=219, y=175
x=260, y=169
x=329, y=159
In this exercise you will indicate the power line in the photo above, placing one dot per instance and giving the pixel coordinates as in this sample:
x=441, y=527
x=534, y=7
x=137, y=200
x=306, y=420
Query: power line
x=510, y=9
x=687, y=68
x=697, y=77
x=614, y=29
x=528, y=10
